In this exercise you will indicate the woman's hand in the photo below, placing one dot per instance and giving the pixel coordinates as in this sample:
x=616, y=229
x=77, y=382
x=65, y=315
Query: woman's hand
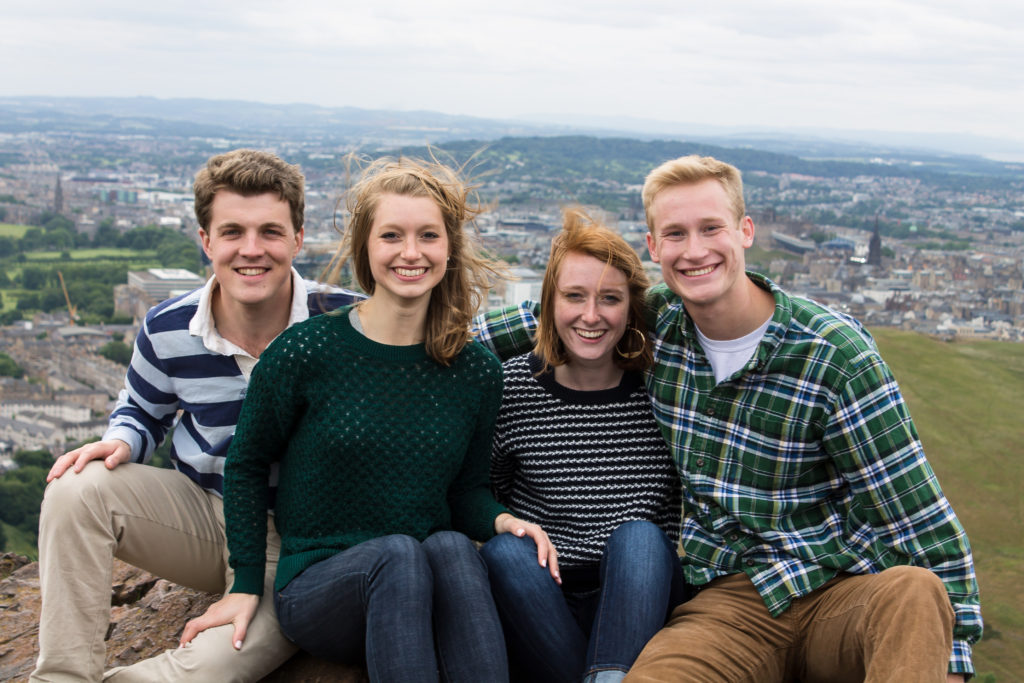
x=547, y=556
x=233, y=608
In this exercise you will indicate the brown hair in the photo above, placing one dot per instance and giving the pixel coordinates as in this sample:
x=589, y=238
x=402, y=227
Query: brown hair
x=249, y=172
x=581, y=234
x=470, y=272
x=694, y=169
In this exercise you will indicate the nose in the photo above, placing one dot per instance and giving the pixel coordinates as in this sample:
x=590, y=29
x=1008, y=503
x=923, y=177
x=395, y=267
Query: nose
x=251, y=245
x=410, y=250
x=695, y=249
x=590, y=312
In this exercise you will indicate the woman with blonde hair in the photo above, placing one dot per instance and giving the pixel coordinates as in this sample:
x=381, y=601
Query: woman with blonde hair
x=577, y=451
x=380, y=418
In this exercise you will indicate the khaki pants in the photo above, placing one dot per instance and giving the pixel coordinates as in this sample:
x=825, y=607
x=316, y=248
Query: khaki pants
x=892, y=626
x=160, y=521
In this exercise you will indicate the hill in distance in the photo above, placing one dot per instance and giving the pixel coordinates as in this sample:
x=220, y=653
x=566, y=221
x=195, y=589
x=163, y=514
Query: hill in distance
x=370, y=127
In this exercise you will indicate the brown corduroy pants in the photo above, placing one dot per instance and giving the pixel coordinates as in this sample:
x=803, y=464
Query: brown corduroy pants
x=893, y=626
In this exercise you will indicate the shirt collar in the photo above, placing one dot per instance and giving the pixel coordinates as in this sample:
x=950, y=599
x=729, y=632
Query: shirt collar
x=777, y=326
x=203, y=324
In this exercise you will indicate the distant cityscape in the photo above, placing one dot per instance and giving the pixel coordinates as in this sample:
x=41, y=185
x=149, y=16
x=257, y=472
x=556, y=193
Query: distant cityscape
x=928, y=253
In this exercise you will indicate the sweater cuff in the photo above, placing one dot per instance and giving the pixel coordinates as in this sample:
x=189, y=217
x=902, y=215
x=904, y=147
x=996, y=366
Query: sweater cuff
x=248, y=580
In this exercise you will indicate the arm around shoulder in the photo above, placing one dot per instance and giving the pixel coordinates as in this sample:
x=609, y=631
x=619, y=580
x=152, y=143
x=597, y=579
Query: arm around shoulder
x=508, y=331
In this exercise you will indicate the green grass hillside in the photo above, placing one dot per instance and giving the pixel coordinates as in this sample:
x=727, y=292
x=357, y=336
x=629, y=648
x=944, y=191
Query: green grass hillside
x=966, y=399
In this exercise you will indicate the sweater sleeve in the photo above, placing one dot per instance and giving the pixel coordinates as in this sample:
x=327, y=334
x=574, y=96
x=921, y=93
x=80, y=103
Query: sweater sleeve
x=261, y=437
x=472, y=505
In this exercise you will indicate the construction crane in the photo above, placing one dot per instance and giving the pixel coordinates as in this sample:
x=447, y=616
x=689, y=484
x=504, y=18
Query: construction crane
x=72, y=311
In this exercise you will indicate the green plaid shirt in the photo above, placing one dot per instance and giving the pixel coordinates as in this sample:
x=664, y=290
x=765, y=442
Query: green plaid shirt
x=802, y=465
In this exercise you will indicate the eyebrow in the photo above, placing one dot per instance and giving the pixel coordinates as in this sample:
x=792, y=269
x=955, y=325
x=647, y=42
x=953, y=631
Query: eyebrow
x=425, y=226
x=235, y=224
x=615, y=289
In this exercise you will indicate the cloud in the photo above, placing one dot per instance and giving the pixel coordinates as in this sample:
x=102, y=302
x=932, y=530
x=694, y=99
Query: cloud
x=895, y=64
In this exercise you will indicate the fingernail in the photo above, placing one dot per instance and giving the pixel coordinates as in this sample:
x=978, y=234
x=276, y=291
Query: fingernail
x=520, y=532
x=544, y=563
x=238, y=645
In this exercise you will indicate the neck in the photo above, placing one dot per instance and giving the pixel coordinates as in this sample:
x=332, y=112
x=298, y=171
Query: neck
x=250, y=327
x=388, y=322
x=583, y=377
x=733, y=318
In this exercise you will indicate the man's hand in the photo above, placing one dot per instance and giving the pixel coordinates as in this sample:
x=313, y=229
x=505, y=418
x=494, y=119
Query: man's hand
x=113, y=452
x=233, y=608
x=547, y=556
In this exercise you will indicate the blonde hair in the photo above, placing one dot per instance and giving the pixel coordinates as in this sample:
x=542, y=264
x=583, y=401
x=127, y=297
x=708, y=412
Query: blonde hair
x=470, y=272
x=694, y=169
x=581, y=234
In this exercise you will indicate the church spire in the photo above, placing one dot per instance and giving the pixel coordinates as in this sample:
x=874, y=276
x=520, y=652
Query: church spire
x=875, y=247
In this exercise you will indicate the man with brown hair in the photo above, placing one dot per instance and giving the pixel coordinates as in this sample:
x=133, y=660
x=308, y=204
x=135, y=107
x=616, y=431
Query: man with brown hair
x=193, y=354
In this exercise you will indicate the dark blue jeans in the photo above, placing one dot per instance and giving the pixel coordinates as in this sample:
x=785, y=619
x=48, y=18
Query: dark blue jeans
x=560, y=635
x=393, y=602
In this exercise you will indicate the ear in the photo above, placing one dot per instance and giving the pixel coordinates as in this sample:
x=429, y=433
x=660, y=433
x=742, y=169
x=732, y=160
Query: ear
x=300, y=235
x=652, y=248
x=204, y=237
x=747, y=228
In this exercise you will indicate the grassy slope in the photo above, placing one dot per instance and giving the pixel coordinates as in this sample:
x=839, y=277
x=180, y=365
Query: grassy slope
x=93, y=254
x=966, y=402
x=12, y=230
x=19, y=542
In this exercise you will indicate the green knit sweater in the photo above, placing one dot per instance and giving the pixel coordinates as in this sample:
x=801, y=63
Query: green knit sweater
x=371, y=440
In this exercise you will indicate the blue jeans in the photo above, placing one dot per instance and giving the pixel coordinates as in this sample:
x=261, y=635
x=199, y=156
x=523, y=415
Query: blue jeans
x=396, y=602
x=556, y=635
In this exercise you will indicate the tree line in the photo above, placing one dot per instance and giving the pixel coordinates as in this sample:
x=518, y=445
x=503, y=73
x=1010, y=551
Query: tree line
x=89, y=284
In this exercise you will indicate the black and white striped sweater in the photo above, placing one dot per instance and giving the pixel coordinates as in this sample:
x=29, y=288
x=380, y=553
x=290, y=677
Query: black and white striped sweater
x=580, y=463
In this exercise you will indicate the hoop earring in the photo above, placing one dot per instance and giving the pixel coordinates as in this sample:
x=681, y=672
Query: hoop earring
x=630, y=355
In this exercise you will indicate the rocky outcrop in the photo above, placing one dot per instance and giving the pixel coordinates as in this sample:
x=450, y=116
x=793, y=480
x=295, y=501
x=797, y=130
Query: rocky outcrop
x=146, y=618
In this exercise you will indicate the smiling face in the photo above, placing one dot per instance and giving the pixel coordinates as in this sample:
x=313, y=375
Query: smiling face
x=699, y=242
x=591, y=309
x=407, y=248
x=251, y=243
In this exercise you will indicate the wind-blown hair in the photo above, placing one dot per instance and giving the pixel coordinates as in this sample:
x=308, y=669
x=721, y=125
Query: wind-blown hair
x=249, y=172
x=694, y=169
x=581, y=234
x=470, y=273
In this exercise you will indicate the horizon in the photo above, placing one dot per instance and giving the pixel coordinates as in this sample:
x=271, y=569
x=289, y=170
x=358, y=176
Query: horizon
x=889, y=142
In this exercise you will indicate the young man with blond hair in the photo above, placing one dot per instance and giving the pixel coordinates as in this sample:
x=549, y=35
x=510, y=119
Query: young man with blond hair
x=814, y=529
x=193, y=354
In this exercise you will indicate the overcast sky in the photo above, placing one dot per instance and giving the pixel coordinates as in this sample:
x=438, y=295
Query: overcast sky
x=895, y=65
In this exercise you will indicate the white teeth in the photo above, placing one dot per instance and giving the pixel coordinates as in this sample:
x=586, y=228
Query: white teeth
x=698, y=271
x=590, y=334
x=251, y=271
x=410, y=272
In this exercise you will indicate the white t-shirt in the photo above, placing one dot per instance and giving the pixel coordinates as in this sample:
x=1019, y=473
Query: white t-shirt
x=730, y=355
